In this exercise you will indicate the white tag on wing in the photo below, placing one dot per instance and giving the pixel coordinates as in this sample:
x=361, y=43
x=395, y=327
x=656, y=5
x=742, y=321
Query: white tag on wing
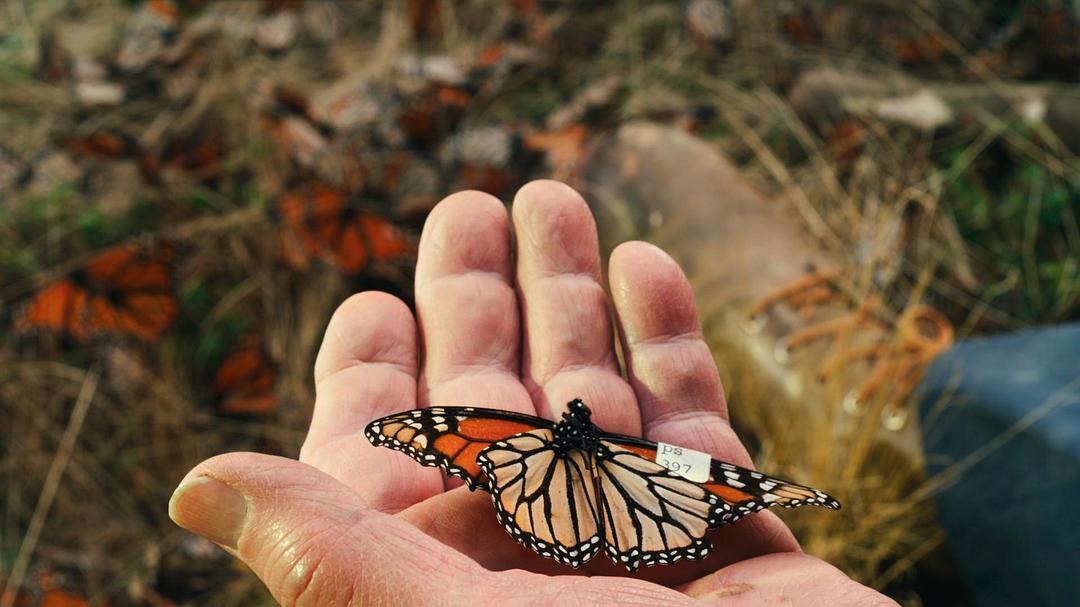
x=687, y=463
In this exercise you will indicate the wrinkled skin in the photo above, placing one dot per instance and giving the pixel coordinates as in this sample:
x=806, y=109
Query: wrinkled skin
x=523, y=329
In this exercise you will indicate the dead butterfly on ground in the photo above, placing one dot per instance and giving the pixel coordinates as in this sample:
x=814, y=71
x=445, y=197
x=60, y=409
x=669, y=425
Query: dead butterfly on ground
x=324, y=223
x=126, y=290
x=567, y=490
x=244, y=383
x=112, y=144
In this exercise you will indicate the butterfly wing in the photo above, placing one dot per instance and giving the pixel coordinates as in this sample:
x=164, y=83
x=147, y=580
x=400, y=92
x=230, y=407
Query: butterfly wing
x=298, y=244
x=650, y=515
x=367, y=237
x=58, y=307
x=450, y=438
x=324, y=223
x=546, y=499
x=331, y=218
x=745, y=490
x=312, y=218
x=123, y=290
x=131, y=291
x=384, y=239
x=244, y=383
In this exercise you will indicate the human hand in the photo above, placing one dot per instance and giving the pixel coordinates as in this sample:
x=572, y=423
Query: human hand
x=523, y=330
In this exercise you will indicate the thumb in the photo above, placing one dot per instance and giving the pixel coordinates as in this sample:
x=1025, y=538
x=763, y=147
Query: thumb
x=309, y=538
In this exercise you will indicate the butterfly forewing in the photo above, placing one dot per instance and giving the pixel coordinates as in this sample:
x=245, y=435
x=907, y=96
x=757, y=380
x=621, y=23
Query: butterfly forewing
x=545, y=498
x=650, y=515
x=450, y=438
x=744, y=490
x=749, y=491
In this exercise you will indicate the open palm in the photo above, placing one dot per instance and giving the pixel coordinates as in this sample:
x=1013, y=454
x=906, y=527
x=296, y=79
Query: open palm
x=523, y=328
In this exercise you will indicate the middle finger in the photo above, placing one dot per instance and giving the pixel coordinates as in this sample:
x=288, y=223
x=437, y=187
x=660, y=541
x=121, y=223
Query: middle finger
x=568, y=349
x=467, y=308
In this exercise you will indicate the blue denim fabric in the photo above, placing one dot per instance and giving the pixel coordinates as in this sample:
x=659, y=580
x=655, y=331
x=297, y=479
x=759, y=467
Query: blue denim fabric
x=1003, y=415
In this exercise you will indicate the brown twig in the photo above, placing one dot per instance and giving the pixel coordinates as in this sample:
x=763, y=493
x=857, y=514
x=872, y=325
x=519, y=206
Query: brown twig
x=52, y=483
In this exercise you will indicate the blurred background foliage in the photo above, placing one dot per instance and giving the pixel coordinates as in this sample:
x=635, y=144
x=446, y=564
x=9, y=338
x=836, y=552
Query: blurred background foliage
x=188, y=189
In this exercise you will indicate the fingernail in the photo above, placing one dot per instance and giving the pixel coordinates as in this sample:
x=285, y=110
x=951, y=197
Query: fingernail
x=209, y=508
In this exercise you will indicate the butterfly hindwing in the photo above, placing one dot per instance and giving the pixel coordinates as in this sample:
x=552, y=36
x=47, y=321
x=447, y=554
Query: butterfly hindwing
x=545, y=498
x=650, y=515
x=450, y=438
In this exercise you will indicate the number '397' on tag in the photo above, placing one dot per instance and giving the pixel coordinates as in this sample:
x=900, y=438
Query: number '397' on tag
x=687, y=463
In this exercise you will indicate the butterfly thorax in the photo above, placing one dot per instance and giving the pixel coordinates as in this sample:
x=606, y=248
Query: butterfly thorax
x=576, y=430
x=96, y=288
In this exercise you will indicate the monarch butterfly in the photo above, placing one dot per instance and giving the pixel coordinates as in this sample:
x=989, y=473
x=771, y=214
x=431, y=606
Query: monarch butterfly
x=125, y=290
x=324, y=223
x=567, y=490
x=244, y=383
x=430, y=115
x=111, y=144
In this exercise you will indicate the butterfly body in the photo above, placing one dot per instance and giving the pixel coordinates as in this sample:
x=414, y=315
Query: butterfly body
x=568, y=490
x=576, y=430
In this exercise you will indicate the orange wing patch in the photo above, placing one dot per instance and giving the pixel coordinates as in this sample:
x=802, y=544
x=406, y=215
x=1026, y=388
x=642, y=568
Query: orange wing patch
x=322, y=223
x=123, y=291
x=53, y=308
x=491, y=430
x=62, y=598
x=476, y=435
x=450, y=438
x=730, y=495
x=244, y=383
x=111, y=144
x=648, y=453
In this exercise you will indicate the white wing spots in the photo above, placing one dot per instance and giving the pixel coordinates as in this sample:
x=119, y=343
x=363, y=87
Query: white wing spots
x=765, y=491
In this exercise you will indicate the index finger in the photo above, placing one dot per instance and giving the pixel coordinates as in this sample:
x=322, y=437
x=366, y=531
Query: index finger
x=366, y=368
